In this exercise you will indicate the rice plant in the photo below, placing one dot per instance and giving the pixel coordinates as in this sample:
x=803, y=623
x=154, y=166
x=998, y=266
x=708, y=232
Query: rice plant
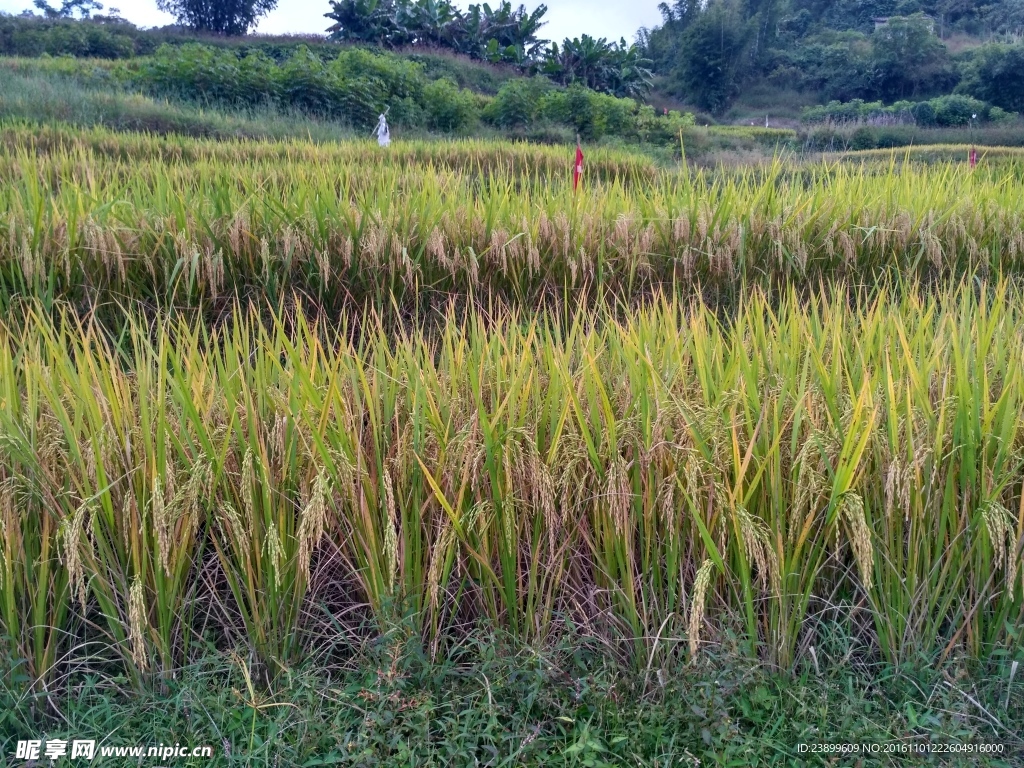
x=664, y=481
x=97, y=218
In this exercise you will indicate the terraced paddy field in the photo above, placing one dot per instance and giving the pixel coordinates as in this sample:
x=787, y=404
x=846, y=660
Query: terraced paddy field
x=98, y=217
x=294, y=407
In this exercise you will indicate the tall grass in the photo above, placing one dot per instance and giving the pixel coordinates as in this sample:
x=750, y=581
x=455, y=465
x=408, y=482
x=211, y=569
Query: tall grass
x=44, y=99
x=97, y=217
x=662, y=482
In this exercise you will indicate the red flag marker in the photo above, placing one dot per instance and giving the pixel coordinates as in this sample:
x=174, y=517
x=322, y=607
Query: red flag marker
x=973, y=157
x=577, y=170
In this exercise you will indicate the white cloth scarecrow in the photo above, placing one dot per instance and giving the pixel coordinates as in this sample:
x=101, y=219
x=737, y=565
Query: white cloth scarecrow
x=382, y=132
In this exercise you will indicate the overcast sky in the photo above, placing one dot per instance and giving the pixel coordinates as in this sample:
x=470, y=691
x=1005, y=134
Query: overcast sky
x=566, y=18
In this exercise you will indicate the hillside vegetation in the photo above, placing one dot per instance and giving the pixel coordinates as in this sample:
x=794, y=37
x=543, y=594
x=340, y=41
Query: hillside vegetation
x=715, y=53
x=316, y=87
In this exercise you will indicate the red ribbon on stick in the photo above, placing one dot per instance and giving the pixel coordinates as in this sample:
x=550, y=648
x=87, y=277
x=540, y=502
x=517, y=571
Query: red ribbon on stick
x=577, y=170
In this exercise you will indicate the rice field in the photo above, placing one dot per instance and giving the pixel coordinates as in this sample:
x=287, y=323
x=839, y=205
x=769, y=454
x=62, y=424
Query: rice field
x=840, y=445
x=94, y=218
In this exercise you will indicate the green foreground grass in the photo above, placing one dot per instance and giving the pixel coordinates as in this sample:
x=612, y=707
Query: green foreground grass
x=45, y=99
x=492, y=702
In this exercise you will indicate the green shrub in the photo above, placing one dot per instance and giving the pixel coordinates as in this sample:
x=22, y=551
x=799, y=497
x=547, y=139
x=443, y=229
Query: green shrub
x=356, y=85
x=890, y=137
x=354, y=88
x=517, y=103
x=466, y=73
x=591, y=114
x=998, y=115
x=398, y=77
x=993, y=73
x=924, y=113
x=653, y=128
x=200, y=72
x=863, y=138
x=571, y=106
x=311, y=86
x=958, y=110
x=34, y=37
x=615, y=116
x=944, y=111
x=825, y=138
x=448, y=109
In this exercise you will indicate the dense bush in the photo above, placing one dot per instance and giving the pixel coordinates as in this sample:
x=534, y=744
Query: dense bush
x=993, y=73
x=710, y=52
x=591, y=114
x=958, y=110
x=34, y=36
x=946, y=111
x=356, y=84
x=830, y=137
x=474, y=75
x=449, y=110
x=310, y=85
x=517, y=103
x=22, y=37
x=661, y=129
x=210, y=75
x=863, y=138
x=354, y=87
x=522, y=103
x=924, y=113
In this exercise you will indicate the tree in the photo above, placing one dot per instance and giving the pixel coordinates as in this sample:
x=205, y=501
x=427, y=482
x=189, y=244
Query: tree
x=994, y=75
x=585, y=60
x=614, y=68
x=514, y=29
x=366, y=21
x=432, y=20
x=632, y=75
x=220, y=17
x=468, y=33
x=711, y=56
x=1005, y=18
x=661, y=44
x=500, y=34
x=83, y=8
x=908, y=59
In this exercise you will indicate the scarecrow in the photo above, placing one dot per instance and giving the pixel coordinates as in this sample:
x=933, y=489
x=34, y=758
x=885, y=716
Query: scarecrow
x=382, y=132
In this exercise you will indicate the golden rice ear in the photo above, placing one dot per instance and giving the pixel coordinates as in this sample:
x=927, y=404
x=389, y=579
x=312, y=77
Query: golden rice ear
x=758, y=546
x=543, y=488
x=312, y=521
x=1002, y=534
x=619, y=496
x=137, y=624
x=851, y=507
x=248, y=481
x=700, y=588
x=390, y=532
x=273, y=549
x=161, y=518
x=72, y=539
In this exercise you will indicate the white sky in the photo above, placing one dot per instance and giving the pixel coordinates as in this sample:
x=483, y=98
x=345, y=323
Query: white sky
x=566, y=18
